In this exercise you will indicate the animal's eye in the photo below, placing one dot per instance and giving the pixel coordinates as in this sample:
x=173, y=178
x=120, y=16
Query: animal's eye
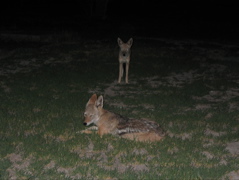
x=85, y=114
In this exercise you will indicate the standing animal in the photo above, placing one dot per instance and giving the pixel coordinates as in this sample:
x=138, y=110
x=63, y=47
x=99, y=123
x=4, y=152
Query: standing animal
x=124, y=58
x=107, y=122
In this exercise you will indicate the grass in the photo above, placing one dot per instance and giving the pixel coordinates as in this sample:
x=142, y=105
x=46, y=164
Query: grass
x=191, y=89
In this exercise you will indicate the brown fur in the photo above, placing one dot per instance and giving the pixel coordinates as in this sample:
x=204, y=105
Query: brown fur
x=112, y=123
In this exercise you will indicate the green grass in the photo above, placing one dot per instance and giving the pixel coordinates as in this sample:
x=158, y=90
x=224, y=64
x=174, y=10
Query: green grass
x=181, y=87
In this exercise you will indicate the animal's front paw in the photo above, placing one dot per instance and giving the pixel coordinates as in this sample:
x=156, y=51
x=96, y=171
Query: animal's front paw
x=89, y=130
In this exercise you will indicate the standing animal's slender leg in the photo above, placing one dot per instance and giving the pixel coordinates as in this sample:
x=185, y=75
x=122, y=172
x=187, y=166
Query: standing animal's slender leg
x=127, y=72
x=120, y=71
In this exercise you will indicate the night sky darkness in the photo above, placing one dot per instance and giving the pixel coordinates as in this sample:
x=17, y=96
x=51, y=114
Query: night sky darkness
x=162, y=18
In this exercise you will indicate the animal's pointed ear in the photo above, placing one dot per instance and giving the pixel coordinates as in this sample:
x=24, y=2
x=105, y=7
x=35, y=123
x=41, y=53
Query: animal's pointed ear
x=130, y=41
x=99, y=102
x=120, y=42
x=92, y=100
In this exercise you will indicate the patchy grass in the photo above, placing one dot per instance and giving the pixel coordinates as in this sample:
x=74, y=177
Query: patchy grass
x=190, y=88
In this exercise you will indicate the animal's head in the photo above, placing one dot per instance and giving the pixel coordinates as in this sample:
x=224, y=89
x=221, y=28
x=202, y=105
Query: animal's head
x=92, y=110
x=125, y=47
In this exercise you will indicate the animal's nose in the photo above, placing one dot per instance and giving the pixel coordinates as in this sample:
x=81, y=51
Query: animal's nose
x=124, y=53
x=85, y=124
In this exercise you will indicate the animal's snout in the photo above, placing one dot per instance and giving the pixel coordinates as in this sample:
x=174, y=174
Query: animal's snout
x=85, y=124
x=124, y=53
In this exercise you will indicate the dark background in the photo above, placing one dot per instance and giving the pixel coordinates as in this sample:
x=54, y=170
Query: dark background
x=145, y=18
